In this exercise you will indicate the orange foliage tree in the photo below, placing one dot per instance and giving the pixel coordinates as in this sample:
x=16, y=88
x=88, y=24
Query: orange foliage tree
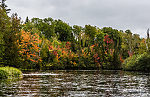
x=29, y=46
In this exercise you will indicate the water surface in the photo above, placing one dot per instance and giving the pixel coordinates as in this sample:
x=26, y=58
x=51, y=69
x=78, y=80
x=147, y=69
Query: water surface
x=78, y=84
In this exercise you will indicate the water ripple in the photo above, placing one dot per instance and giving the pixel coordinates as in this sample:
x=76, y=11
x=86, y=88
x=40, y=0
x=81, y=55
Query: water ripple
x=78, y=83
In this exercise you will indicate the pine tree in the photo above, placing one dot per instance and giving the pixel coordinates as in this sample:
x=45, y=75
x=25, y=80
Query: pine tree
x=27, y=20
x=147, y=44
x=4, y=29
x=4, y=6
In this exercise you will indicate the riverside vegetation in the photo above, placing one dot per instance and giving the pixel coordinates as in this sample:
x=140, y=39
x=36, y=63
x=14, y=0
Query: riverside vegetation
x=9, y=73
x=53, y=44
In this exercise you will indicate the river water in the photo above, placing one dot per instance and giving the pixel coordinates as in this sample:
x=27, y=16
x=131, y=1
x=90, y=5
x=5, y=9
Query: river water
x=78, y=84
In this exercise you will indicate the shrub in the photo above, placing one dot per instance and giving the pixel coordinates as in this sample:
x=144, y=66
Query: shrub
x=10, y=72
x=3, y=74
x=137, y=62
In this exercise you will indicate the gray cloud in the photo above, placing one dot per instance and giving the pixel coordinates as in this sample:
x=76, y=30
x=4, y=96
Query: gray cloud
x=119, y=14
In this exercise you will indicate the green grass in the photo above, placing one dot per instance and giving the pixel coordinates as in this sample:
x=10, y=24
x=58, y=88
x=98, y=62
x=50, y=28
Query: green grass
x=10, y=72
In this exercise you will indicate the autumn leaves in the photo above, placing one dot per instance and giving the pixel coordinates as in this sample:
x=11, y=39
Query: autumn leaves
x=28, y=45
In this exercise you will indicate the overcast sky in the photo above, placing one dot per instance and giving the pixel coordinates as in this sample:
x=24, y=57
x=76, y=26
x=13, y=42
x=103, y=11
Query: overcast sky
x=119, y=14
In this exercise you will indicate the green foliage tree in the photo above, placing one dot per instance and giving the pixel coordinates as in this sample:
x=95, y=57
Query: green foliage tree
x=90, y=32
x=46, y=26
x=4, y=28
x=10, y=38
x=131, y=44
x=77, y=30
x=63, y=31
x=100, y=48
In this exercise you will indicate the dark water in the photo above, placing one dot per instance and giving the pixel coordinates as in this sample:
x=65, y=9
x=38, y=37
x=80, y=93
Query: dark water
x=78, y=84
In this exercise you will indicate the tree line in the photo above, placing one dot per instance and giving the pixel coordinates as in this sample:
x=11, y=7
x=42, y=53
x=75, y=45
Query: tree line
x=54, y=44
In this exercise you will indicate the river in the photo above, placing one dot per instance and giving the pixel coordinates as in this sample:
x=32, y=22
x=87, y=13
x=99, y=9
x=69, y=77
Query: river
x=61, y=83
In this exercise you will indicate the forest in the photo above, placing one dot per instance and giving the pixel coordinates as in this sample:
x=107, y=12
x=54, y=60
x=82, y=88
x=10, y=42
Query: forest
x=39, y=44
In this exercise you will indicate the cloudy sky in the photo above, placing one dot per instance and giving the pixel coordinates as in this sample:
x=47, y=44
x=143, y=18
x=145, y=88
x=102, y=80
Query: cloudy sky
x=119, y=14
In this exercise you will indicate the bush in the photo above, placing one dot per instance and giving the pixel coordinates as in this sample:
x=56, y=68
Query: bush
x=3, y=74
x=137, y=63
x=10, y=72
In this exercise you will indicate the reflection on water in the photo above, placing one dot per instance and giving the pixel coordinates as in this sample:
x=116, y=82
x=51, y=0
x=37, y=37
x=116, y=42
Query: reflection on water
x=78, y=83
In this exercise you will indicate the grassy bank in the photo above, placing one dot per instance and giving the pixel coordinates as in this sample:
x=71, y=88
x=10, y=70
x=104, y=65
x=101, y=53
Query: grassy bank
x=10, y=72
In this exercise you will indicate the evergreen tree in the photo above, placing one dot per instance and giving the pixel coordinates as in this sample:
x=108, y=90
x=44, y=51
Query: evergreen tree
x=27, y=20
x=4, y=28
x=11, y=57
x=4, y=6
